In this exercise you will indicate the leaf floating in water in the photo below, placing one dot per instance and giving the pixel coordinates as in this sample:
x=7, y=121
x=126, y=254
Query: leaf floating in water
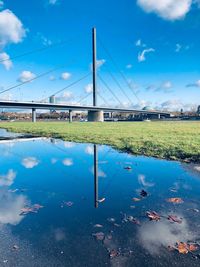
x=153, y=216
x=136, y=199
x=192, y=247
x=183, y=248
x=98, y=226
x=32, y=209
x=176, y=200
x=102, y=200
x=128, y=168
x=99, y=236
x=174, y=218
x=143, y=193
x=114, y=253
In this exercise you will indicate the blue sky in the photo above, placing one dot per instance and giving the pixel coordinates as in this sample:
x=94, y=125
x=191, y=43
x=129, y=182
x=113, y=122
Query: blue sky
x=155, y=45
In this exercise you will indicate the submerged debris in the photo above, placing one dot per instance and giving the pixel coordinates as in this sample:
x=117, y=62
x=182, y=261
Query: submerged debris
x=99, y=236
x=153, y=216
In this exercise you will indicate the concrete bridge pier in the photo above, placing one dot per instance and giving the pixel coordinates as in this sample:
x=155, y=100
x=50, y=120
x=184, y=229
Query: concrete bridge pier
x=70, y=116
x=33, y=115
x=95, y=116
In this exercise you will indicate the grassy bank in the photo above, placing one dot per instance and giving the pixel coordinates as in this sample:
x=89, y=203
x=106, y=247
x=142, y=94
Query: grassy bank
x=170, y=140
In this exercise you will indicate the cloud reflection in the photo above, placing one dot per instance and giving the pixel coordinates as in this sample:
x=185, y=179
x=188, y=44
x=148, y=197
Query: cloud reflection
x=7, y=179
x=154, y=235
x=68, y=162
x=10, y=206
x=30, y=162
x=142, y=181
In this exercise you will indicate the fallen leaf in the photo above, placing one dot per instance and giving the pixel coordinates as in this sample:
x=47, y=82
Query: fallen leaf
x=128, y=168
x=153, y=216
x=176, y=200
x=192, y=247
x=174, y=218
x=136, y=199
x=183, y=248
x=143, y=193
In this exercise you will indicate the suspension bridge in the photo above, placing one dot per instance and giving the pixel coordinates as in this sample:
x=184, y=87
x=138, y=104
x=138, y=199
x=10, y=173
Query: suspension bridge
x=95, y=112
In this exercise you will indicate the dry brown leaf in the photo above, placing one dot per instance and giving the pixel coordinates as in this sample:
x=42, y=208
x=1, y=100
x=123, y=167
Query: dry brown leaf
x=153, y=216
x=183, y=248
x=176, y=200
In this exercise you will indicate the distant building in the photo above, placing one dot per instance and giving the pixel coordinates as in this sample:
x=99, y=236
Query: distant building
x=198, y=110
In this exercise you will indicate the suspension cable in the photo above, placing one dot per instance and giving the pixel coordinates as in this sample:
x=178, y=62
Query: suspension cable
x=106, y=85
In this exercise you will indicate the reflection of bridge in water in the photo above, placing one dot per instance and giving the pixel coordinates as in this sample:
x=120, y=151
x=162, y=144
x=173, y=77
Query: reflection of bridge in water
x=95, y=112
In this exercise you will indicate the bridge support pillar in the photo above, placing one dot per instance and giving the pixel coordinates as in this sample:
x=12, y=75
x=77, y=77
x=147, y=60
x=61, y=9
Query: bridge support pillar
x=33, y=115
x=159, y=117
x=70, y=116
x=95, y=116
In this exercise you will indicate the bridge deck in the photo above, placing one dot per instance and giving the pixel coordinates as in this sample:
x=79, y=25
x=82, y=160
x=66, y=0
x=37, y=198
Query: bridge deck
x=49, y=106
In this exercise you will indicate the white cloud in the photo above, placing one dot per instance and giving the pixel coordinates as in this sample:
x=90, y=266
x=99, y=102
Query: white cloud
x=7, y=179
x=68, y=144
x=1, y=4
x=166, y=9
x=53, y=2
x=44, y=40
x=30, y=162
x=11, y=28
x=65, y=76
x=89, y=88
x=129, y=66
x=5, y=61
x=67, y=94
x=68, y=162
x=52, y=78
x=178, y=48
x=26, y=75
x=141, y=55
x=139, y=43
x=100, y=62
x=89, y=150
x=195, y=84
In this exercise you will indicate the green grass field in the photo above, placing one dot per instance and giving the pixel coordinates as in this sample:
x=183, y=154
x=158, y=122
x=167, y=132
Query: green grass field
x=169, y=140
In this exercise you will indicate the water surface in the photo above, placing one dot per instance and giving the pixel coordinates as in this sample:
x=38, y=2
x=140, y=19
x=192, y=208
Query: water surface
x=59, y=176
